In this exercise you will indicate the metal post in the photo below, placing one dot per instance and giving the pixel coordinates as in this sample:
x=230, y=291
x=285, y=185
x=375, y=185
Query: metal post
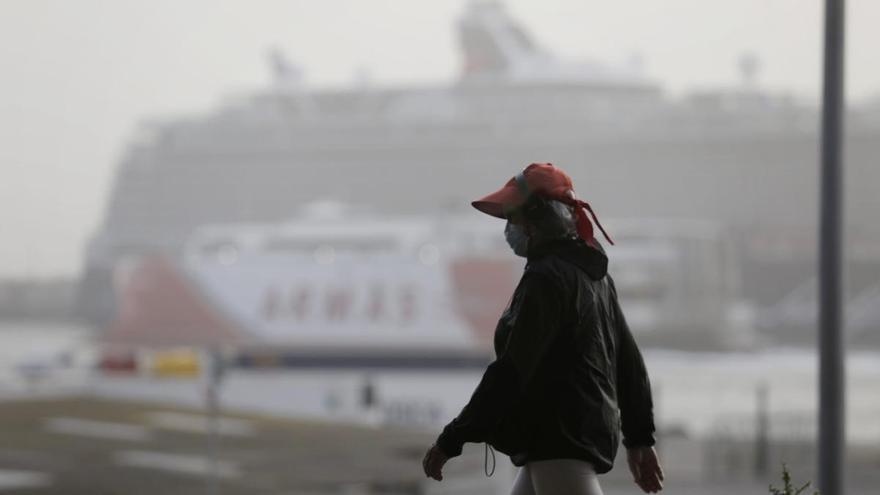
x=762, y=432
x=831, y=359
x=214, y=376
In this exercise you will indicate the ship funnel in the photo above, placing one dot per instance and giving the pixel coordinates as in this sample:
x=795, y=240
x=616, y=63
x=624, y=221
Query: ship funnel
x=491, y=41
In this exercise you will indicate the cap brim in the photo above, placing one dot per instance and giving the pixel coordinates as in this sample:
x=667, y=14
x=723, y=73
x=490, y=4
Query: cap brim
x=500, y=201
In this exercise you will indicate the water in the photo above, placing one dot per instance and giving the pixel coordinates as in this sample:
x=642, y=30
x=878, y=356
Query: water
x=701, y=392
x=43, y=358
x=697, y=394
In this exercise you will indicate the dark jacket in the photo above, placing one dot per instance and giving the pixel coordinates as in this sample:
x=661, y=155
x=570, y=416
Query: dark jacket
x=568, y=376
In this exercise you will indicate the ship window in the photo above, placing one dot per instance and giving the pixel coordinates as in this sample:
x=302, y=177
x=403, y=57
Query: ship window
x=286, y=244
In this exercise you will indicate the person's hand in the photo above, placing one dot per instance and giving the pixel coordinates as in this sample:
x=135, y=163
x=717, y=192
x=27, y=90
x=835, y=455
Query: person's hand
x=645, y=468
x=433, y=462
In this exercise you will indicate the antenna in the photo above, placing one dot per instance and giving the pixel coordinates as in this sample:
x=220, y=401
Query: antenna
x=285, y=73
x=749, y=67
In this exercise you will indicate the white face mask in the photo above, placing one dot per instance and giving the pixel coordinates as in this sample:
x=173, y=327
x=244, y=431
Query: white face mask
x=516, y=238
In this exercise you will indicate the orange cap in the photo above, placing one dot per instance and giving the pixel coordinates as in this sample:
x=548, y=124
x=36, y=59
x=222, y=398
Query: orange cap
x=546, y=181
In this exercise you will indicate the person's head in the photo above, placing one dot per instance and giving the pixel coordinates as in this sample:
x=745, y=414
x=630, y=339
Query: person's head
x=540, y=198
x=539, y=220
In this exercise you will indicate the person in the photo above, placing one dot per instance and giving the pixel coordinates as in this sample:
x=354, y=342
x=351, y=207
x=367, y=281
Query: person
x=568, y=383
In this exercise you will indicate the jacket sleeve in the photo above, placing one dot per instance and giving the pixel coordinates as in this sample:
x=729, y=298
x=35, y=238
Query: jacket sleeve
x=633, y=386
x=510, y=378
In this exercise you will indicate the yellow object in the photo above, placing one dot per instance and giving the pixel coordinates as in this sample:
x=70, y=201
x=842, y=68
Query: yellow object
x=176, y=363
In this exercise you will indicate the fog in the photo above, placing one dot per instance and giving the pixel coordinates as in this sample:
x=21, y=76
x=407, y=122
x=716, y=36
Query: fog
x=238, y=252
x=78, y=76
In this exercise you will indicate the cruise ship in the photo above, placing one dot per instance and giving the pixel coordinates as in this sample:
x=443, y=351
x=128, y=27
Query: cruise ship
x=739, y=162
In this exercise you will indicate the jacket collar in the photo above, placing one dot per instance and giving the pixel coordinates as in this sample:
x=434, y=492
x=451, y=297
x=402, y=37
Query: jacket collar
x=574, y=250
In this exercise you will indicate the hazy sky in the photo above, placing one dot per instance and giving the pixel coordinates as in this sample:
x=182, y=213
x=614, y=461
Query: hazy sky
x=78, y=75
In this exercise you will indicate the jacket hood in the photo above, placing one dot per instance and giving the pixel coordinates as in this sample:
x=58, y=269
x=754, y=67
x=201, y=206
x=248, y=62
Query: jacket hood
x=574, y=250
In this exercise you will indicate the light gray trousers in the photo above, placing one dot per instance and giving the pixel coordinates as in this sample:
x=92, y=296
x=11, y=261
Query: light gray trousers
x=556, y=477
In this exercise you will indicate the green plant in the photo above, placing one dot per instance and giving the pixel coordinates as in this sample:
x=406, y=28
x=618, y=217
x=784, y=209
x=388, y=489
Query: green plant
x=787, y=487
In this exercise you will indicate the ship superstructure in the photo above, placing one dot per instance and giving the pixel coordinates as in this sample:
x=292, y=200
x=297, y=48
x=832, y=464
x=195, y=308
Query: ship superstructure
x=741, y=158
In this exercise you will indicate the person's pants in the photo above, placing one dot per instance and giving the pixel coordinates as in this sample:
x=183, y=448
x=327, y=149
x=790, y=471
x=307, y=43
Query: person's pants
x=557, y=477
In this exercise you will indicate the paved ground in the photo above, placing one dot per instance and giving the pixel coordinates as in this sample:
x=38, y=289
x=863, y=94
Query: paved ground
x=96, y=447
x=83, y=446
